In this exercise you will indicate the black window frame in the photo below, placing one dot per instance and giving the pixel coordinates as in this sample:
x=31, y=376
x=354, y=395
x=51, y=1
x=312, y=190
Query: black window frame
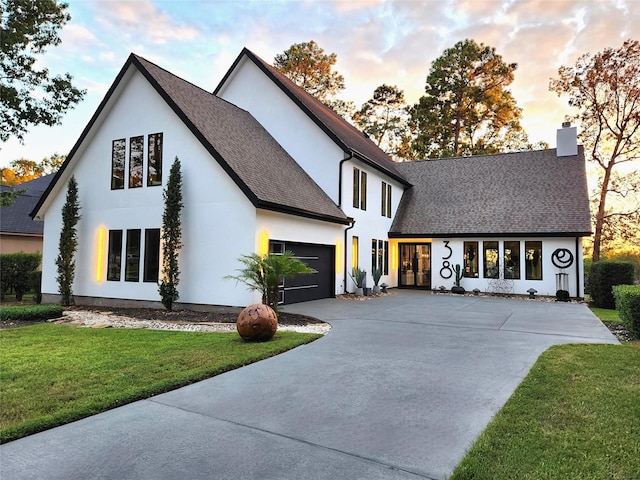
x=136, y=159
x=114, y=256
x=117, y=174
x=154, y=148
x=529, y=251
x=470, y=260
x=151, y=264
x=132, y=255
x=491, y=246
x=511, y=262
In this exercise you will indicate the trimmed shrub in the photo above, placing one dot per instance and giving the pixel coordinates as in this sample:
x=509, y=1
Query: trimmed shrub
x=628, y=305
x=16, y=271
x=30, y=312
x=606, y=274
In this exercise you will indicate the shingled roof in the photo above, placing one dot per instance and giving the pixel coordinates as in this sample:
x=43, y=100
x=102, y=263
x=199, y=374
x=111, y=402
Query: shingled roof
x=15, y=218
x=524, y=193
x=346, y=136
x=262, y=169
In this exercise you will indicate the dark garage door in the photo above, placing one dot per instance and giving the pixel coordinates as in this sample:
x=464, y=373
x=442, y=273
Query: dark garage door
x=308, y=287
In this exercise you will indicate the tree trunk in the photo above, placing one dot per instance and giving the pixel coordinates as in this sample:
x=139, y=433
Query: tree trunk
x=597, y=238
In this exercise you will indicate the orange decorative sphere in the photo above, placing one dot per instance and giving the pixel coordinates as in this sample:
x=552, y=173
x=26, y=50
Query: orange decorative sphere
x=257, y=323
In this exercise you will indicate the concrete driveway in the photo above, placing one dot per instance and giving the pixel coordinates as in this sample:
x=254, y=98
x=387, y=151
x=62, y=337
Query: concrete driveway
x=399, y=389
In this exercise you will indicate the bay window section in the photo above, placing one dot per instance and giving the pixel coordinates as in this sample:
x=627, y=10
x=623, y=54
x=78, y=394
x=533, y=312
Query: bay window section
x=154, y=164
x=151, y=254
x=114, y=259
x=491, y=265
x=118, y=148
x=471, y=259
x=512, y=260
x=136, y=160
x=132, y=262
x=533, y=260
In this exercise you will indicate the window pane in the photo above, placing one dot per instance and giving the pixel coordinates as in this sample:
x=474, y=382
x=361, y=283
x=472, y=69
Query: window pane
x=385, y=268
x=389, y=201
x=374, y=254
x=136, y=151
x=115, y=255
x=471, y=259
x=491, y=260
x=533, y=259
x=356, y=188
x=380, y=254
x=363, y=191
x=383, y=210
x=512, y=260
x=118, y=148
x=151, y=254
x=132, y=264
x=154, y=173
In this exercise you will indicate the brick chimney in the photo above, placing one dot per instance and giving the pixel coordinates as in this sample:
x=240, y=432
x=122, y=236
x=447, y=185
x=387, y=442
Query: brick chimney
x=567, y=140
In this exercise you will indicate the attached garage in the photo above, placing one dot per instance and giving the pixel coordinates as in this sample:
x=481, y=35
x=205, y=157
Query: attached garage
x=308, y=287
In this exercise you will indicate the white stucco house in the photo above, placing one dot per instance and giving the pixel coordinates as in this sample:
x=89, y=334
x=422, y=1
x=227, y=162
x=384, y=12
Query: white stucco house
x=266, y=167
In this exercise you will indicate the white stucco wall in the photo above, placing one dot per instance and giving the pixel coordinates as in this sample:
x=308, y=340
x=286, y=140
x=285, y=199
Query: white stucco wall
x=218, y=221
x=250, y=89
x=370, y=223
x=546, y=286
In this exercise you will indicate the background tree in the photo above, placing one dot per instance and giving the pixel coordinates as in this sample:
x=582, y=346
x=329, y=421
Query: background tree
x=309, y=67
x=28, y=95
x=384, y=118
x=68, y=243
x=23, y=170
x=467, y=109
x=171, y=237
x=605, y=89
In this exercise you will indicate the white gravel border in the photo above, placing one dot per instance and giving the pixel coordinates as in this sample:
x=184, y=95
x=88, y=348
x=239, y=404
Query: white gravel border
x=84, y=318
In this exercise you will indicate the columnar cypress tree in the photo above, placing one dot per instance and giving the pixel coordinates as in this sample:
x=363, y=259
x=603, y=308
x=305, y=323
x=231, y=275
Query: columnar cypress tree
x=171, y=237
x=68, y=243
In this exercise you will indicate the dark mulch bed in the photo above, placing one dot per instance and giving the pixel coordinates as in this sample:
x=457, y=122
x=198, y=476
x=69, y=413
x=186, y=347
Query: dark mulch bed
x=621, y=332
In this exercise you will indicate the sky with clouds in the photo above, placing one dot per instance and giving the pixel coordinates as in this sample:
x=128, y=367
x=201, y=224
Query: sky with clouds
x=376, y=42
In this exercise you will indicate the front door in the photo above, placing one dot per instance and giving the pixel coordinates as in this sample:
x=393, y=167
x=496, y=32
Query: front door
x=415, y=265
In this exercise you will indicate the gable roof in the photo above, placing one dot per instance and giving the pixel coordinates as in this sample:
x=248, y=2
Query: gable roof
x=261, y=168
x=342, y=133
x=523, y=193
x=15, y=218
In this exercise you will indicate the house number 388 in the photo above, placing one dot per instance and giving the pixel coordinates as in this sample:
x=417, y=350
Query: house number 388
x=445, y=271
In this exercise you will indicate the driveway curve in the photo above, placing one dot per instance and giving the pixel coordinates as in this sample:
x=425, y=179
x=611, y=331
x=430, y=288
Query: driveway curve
x=399, y=389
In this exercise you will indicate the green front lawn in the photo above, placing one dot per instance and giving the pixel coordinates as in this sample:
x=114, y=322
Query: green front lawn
x=54, y=374
x=575, y=416
x=606, y=314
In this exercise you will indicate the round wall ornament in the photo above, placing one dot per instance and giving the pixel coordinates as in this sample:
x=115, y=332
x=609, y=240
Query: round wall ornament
x=562, y=258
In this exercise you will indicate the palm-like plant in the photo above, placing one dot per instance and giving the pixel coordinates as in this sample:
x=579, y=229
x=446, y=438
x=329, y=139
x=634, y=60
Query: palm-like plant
x=264, y=273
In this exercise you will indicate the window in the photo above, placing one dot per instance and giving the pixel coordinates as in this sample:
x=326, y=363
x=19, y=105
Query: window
x=386, y=200
x=151, y=254
x=512, y=260
x=132, y=262
x=359, y=189
x=491, y=265
x=118, y=148
x=380, y=256
x=471, y=259
x=114, y=260
x=533, y=260
x=354, y=252
x=136, y=158
x=154, y=160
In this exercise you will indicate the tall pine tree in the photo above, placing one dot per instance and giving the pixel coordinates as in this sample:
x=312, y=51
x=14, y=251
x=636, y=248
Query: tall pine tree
x=68, y=243
x=171, y=237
